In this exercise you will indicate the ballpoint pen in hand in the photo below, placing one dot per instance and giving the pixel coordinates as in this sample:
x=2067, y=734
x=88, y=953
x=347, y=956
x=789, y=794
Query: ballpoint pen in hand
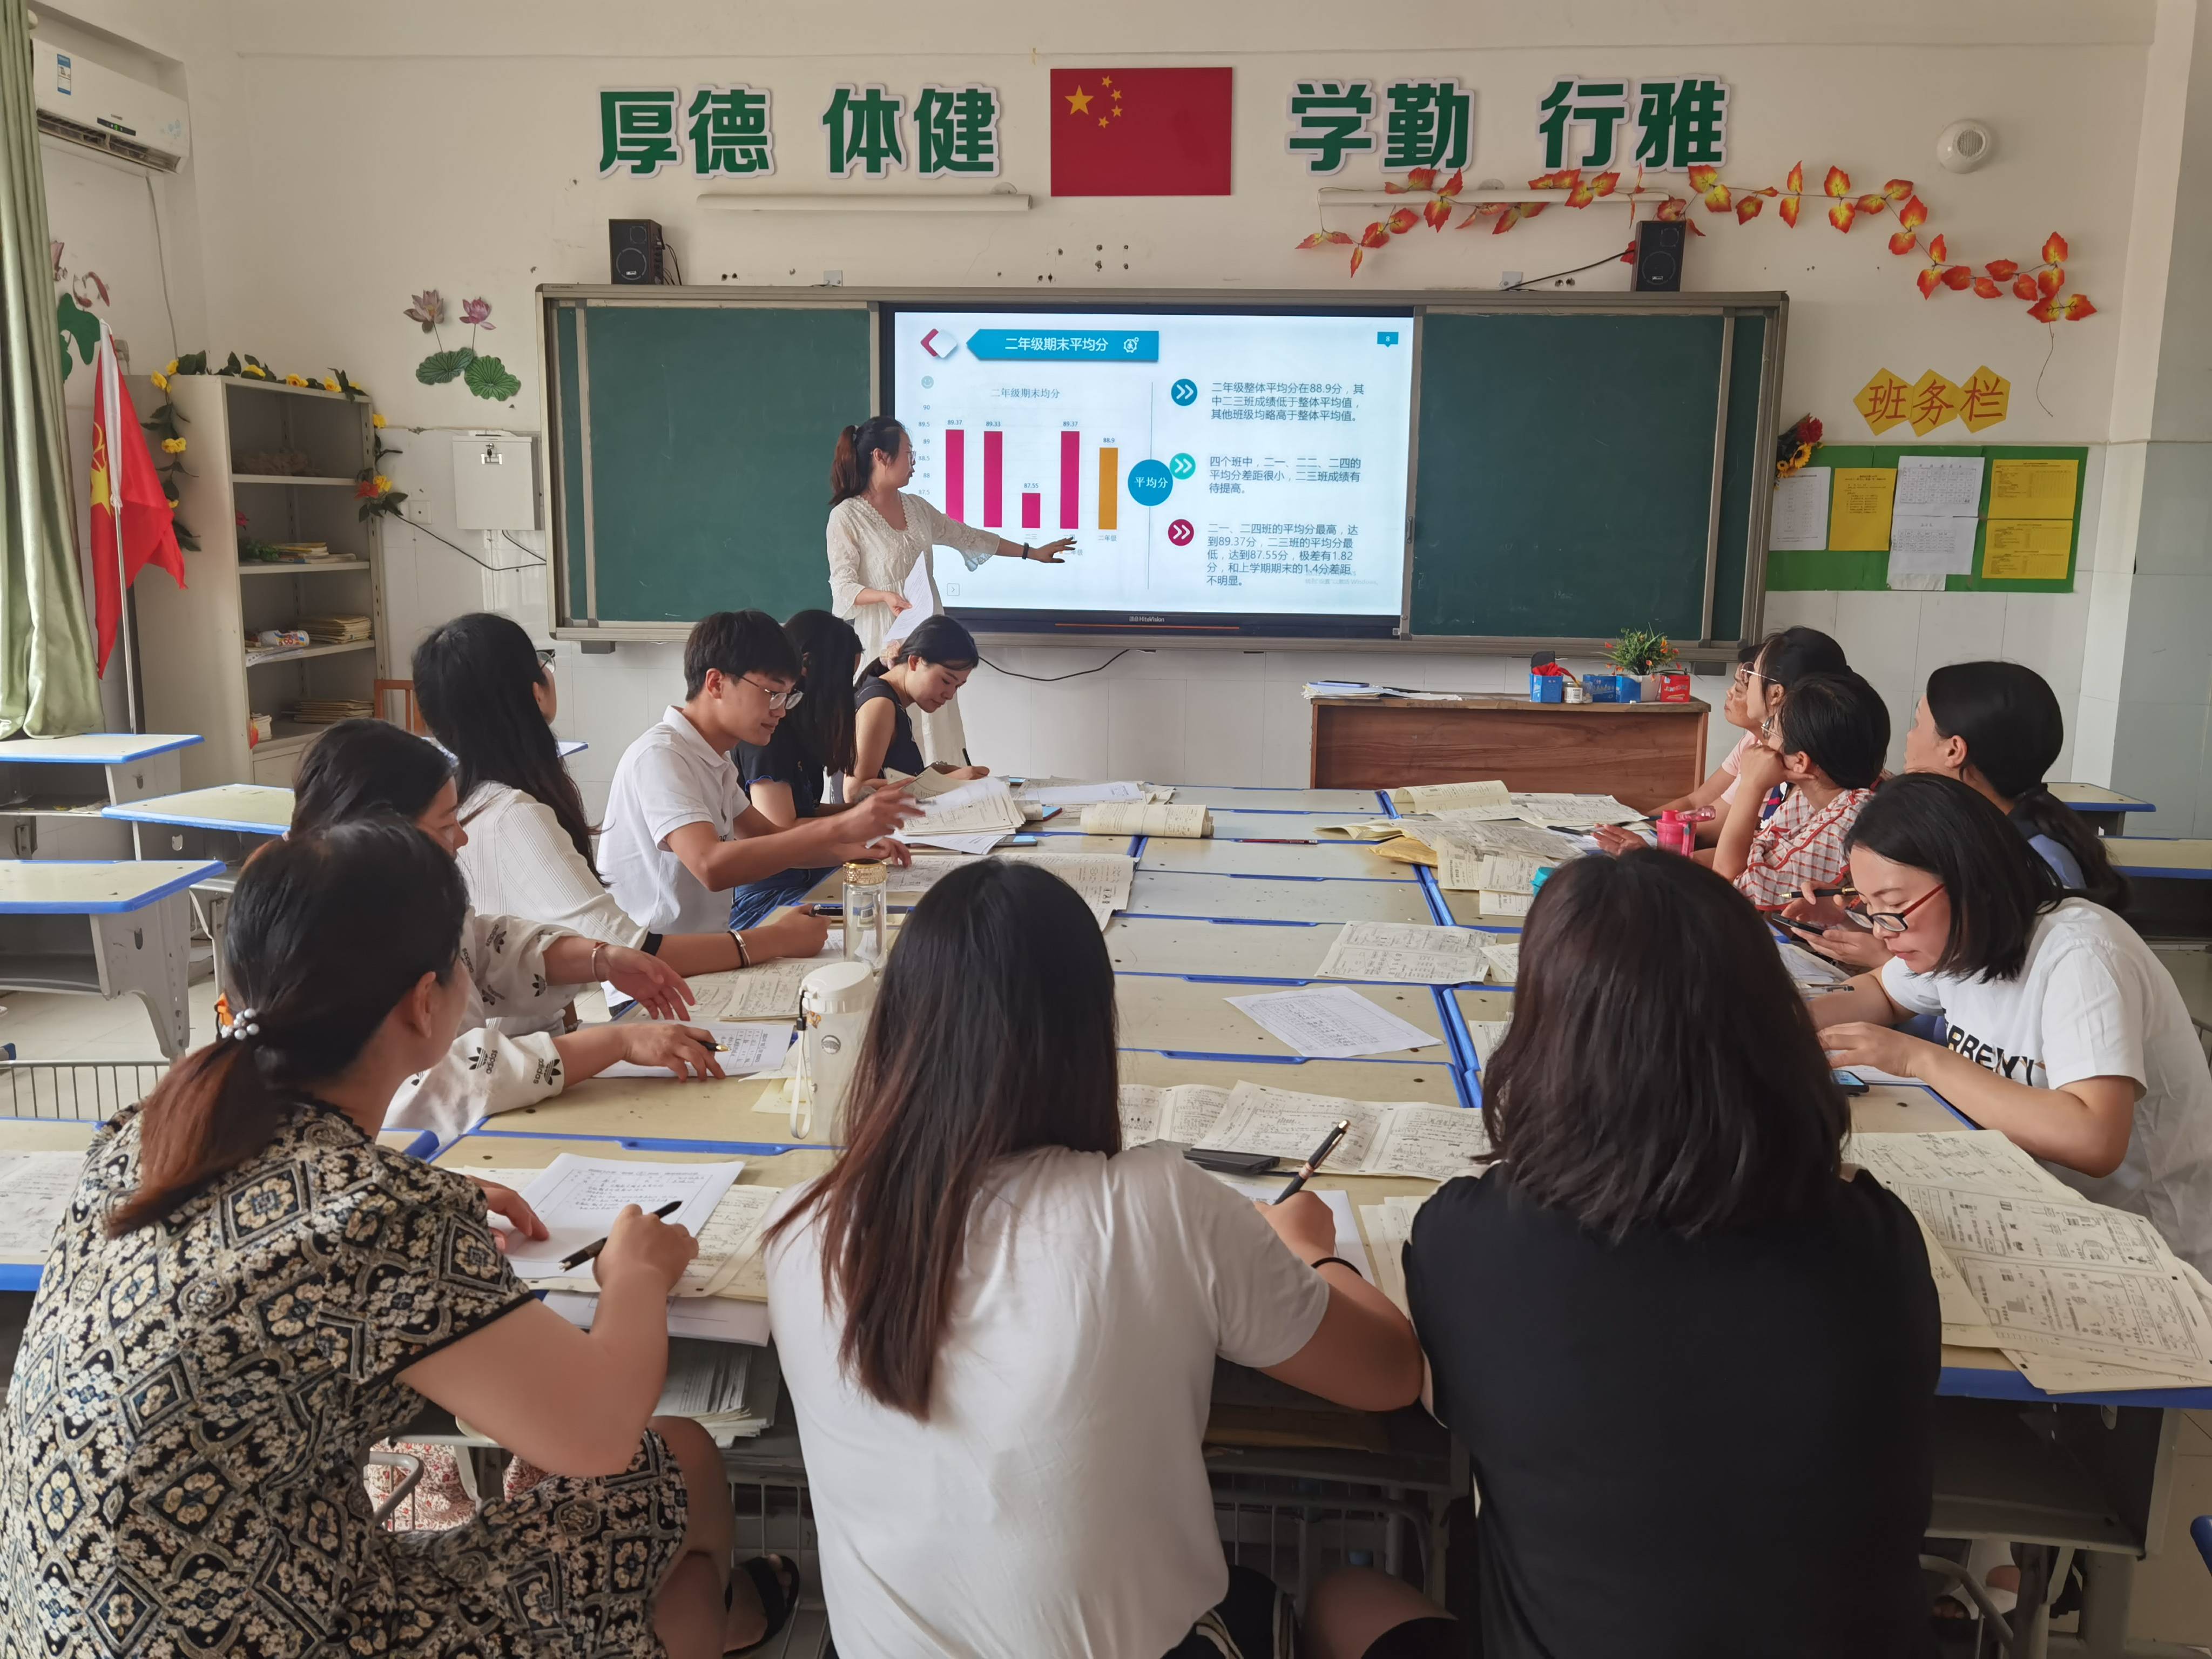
x=590, y=1252
x=1321, y=1157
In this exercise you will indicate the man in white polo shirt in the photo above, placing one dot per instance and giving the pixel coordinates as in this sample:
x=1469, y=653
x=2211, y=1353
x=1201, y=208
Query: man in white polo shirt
x=680, y=832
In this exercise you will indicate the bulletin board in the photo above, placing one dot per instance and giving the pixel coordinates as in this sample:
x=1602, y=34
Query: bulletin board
x=1831, y=569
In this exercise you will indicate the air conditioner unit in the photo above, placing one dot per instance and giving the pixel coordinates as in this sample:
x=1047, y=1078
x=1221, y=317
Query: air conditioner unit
x=89, y=104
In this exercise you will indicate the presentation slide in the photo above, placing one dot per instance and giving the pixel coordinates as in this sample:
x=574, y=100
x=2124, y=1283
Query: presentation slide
x=1245, y=465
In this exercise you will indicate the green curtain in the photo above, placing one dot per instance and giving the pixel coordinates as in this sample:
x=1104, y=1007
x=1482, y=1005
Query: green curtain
x=48, y=687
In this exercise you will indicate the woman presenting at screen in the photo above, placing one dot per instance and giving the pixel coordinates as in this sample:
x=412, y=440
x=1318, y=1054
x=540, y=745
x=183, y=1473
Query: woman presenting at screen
x=876, y=532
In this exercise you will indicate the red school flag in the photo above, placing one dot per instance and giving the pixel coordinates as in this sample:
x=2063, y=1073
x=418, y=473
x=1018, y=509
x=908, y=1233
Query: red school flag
x=1140, y=131
x=129, y=507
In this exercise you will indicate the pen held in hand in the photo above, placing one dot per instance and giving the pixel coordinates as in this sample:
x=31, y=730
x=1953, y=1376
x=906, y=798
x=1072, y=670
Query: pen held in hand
x=1321, y=1157
x=591, y=1252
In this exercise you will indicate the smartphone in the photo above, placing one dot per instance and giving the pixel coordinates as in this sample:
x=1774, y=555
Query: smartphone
x=1020, y=840
x=1850, y=1083
x=832, y=911
x=1795, y=925
x=1242, y=1164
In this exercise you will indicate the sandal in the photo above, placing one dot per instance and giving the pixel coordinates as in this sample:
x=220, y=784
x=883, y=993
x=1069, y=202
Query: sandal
x=778, y=1582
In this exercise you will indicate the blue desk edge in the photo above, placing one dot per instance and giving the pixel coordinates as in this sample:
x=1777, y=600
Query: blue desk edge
x=203, y=871
x=131, y=745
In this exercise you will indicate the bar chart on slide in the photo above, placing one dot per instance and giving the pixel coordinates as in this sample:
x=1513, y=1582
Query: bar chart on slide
x=1207, y=463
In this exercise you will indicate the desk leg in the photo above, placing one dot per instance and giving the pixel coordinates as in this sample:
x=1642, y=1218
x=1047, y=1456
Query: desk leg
x=147, y=954
x=2108, y=1583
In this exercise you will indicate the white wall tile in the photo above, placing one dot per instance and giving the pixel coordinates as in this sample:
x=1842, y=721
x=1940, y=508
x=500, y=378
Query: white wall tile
x=2169, y=639
x=1960, y=628
x=1145, y=739
x=2160, y=755
x=2176, y=537
x=1800, y=610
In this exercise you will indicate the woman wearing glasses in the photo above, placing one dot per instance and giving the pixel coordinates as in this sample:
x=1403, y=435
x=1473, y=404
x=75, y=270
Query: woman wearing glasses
x=2066, y=1031
x=491, y=702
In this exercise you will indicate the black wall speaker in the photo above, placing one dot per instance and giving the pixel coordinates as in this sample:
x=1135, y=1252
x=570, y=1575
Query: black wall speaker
x=1659, y=246
x=635, y=253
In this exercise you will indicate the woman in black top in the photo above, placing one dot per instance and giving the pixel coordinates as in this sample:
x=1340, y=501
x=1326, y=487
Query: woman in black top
x=934, y=662
x=1694, y=1368
x=785, y=775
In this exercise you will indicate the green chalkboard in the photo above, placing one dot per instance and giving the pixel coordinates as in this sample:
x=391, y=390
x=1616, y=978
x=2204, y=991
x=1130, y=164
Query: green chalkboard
x=1565, y=474
x=706, y=431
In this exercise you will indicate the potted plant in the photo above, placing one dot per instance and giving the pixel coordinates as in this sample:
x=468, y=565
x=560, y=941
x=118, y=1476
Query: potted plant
x=1638, y=658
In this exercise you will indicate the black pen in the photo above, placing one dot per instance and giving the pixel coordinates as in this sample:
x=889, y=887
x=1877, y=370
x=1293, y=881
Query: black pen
x=590, y=1252
x=1321, y=1157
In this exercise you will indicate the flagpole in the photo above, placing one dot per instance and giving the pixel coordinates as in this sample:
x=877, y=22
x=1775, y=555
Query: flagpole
x=111, y=387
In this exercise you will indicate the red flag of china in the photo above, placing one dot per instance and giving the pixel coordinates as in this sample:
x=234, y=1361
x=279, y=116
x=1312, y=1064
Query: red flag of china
x=129, y=504
x=1140, y=131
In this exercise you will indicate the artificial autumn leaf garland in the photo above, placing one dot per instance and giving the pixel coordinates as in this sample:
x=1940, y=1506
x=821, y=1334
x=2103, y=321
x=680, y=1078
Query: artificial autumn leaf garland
x=2043, y=283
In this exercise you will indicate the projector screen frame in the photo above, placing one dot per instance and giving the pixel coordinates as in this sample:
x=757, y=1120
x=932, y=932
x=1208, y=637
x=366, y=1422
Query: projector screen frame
x=575, y=614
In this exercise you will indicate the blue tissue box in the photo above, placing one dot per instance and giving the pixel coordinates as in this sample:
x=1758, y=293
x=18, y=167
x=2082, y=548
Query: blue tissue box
x=1547, y=688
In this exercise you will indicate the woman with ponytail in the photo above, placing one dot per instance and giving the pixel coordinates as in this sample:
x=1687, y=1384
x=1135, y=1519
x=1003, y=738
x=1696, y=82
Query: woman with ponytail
x=877, y=534
x=247, y=1293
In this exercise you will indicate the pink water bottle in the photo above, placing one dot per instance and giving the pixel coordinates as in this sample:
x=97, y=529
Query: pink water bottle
x=1675, y=835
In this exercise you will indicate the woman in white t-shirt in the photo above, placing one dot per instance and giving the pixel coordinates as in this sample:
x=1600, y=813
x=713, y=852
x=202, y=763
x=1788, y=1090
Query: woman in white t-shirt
x=2065, y=1030
x=528, y=851
x=999, y=1328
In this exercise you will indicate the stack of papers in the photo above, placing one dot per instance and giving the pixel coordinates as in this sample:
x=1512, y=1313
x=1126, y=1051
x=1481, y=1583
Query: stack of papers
x=767, y=992
x=1484, y=839
x=746, y=1051
x=967, y=817
x=1316, y=689
x=1084, y=794
x=578, y=1199
x=1410, y=1138
x=1406, y=953
x=1147, y=818
x=1102, y=880
x=1362, y=829
x=1184, y=1113
x=1331, y=1022
x=35, y=1189
x=1506, y=881
x=730, y=1392
x=2079, y=1296
x=1389, y=1226
x=1574, y=811
x=1489, y=796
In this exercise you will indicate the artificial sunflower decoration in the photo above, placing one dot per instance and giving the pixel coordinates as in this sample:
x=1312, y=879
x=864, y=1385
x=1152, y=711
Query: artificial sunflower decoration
x=1795, y=447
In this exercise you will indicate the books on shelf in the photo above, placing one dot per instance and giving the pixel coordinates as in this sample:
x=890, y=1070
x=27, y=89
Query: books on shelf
x=337, y=630
x=329, y=711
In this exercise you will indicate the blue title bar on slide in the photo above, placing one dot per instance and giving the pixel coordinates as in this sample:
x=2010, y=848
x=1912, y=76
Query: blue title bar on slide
x=1094, y=345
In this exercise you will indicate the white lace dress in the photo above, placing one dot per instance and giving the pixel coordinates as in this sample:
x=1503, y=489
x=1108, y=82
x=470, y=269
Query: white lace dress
x=865, y=551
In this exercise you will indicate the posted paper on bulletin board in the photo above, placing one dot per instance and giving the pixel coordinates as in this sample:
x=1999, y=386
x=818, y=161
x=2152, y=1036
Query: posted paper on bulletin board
x=2030, y=533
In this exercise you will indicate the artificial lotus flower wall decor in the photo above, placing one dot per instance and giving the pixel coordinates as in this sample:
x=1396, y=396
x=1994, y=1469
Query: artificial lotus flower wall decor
x=483, y=374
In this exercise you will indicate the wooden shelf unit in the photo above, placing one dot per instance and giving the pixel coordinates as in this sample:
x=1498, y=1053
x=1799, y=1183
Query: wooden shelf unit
x=193, y=639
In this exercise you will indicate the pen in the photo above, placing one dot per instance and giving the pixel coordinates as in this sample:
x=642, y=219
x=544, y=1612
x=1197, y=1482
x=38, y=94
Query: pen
x=1271, y=841
x=590, y=1252
x=1321, y=1157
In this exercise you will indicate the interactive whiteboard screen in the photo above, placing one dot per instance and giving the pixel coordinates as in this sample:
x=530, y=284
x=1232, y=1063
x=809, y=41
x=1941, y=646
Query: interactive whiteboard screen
x=1241, y=470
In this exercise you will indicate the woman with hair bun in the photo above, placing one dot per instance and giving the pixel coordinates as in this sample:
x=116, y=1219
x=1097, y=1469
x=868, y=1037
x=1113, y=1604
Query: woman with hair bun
x=876, y=532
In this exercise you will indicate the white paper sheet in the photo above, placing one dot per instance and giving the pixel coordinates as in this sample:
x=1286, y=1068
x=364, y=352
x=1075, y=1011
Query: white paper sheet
x=1128, y=817
x=1102, y=880
x=578, y=1199
x=706, y=1319
x=1507, y=904
x=1518, y=839
x=979, y=806
x=1411, y=1139
x=921, y=603
x=1389, y=1227
x=967, y=846
x=35, y=1189
x=1979, y=1160
x=1331, y=1022
x=1574, y=811
x=1503, y=961
x=1799, y=517
x=752, y=1049
x=1941, y=486
x=1487, y=1035
x=1082, y=795
x=1437, y=797
x=729, y=1262
x=1404, y=953
x=1933, y=517
x=1185, y=1113
x=1349, y=1243
x=767, y=992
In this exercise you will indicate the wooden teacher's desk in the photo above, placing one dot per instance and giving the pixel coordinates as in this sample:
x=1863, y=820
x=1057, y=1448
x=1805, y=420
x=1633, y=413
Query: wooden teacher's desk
x=1643, y=753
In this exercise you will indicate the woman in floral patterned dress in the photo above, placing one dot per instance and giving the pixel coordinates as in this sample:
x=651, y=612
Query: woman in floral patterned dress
x=248, y=1291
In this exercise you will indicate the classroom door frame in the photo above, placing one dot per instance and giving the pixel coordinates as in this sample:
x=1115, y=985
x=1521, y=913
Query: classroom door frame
x=581, y=621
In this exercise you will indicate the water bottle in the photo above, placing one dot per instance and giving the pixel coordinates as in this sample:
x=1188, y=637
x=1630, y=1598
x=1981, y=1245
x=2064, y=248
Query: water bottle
x=867, y=899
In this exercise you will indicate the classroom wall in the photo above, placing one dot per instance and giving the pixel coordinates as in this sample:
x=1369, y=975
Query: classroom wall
x=465, y=155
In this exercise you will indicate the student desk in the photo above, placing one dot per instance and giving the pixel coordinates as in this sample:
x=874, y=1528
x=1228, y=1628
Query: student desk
x=643, y=1112
x=1193, y=1017
x=54, y=790
x=1275, y=824
x=2107, y=810
x=1376, y=1078
x=1466, y=908
x=1289, y=951
x=104, y=930
x=226, y=822
x=1223, y=856
x=473, y=1153
x=1274, y=898
x=1237, y=797
x=2170, y=885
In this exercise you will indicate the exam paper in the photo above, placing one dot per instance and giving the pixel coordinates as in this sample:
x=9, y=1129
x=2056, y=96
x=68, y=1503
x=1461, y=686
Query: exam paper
x=1799, y=517
x=578, y=1199
x=769, y=991
x=1503, y=962
x=1102, y=880
x=35, y=1189
x=1364, y=830
x=1404, y=953
x=1574, y=811
x=1507, y=904
x=1519, y=839
x=1487, y=1035
x=921, y=602
x=979, y=806
x=1437, y=797
x=969, y=846
x=1331, y=1022
x=1184, y=1113
x=1409, y=1138
x=1081, y=794
x=729, y=1260
x=1982, y=1160
x=1147, y=818
x=1349, y=1244
x=1389, y=1228
x=752, y=1048
x=1807, y=969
